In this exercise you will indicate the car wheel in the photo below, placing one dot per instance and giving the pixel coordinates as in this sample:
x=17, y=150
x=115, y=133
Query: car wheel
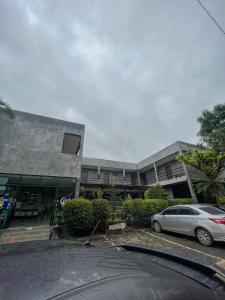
x=204, y=237
x=157, y=227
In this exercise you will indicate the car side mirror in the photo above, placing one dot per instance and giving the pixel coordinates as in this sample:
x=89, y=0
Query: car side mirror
x=162, y=213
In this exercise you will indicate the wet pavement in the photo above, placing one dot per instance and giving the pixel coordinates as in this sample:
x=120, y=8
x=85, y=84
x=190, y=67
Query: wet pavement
x=168, y=242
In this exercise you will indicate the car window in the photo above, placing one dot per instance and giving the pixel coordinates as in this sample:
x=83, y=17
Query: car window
x=187, y=211
x=171, y=211
x=212, y=210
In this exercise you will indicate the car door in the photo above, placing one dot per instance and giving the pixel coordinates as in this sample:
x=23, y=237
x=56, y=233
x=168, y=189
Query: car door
x=187, y=220
x=169, y=219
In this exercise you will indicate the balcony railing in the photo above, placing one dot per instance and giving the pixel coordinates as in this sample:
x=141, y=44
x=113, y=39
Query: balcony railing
x=89, y=180
x=175, y=173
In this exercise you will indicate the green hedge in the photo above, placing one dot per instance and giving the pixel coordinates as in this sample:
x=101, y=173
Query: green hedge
x=139, y=211
x=178, y=201
x=78, y=215
x=81, y=215
x=101, y=211
x=221, y=201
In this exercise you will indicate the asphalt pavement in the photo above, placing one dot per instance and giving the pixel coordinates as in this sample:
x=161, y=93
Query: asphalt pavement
x=172, y=243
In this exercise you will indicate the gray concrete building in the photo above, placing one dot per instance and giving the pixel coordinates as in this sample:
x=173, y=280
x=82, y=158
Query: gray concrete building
x=41, y=160
x=160, y=168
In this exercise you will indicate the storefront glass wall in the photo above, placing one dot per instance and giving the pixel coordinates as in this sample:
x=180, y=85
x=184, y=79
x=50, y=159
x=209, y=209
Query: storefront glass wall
x=34, y=196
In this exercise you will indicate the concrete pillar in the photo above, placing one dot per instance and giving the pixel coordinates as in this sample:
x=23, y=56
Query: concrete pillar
x=99, y=174
x=124, y=176
x=77, y=187
x=190, y=185
x=138, y=178
x=156, y=173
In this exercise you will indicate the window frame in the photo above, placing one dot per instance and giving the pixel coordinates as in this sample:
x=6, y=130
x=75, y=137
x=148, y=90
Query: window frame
x=78, y=146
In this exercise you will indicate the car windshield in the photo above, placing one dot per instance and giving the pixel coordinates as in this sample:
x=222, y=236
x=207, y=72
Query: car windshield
x=212, y=210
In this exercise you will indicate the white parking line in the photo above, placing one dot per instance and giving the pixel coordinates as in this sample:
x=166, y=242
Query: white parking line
x=111, y=242
x=180, y=245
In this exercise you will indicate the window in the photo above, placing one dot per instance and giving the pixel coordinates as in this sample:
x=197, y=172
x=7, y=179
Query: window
x=187, y=211
x=171, y=211
x=71, y=143
x=212, y=210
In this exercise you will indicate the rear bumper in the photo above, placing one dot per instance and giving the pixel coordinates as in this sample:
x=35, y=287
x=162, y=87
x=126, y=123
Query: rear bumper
x=218, y=233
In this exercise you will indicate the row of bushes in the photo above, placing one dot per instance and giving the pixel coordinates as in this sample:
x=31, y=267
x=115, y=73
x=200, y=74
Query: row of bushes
x=81, y=215
x=139, y=211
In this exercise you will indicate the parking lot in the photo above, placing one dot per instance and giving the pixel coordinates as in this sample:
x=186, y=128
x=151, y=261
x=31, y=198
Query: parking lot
x=169, y=242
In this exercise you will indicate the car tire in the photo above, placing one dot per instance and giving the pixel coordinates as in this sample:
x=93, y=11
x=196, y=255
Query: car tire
x=204, y=237
x=157, y=227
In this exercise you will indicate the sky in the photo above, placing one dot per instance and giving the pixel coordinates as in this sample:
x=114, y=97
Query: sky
x=136, y=73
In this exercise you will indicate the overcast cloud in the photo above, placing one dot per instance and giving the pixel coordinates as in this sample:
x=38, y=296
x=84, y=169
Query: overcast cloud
x=136, y=73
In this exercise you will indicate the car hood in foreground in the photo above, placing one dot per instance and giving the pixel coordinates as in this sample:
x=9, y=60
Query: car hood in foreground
x=64, y=270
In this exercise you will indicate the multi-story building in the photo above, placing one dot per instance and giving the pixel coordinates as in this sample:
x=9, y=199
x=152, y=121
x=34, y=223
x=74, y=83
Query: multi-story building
x=161, y=168
x=41, y=160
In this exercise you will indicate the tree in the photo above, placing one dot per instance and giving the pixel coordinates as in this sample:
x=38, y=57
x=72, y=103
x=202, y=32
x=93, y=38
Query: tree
x=97, y=193
x=156, y=192
x=209, y=162
x=7, y=109
x=212, y=127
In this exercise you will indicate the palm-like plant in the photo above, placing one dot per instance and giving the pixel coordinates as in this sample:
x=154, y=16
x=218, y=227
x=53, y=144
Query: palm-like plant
x=7, y=109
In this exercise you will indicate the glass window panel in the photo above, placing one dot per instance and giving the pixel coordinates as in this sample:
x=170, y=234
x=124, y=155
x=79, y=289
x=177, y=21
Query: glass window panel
x=71, y=143
x=30, y=180
x=9, y=179
x=67, y=182
x=50, y=181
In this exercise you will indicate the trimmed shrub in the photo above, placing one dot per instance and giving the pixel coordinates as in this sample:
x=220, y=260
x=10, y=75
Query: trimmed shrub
x=78, y=215
x=101, y=211
x=139, y=211
x=178, y=201
x=221, y=201
x=134, y=210
x=156, y=192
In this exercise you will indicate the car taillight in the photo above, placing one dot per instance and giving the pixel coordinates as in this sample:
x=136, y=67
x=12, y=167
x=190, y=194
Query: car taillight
x=218, y=220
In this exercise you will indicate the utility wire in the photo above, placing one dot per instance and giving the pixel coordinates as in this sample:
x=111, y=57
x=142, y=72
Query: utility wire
x=212, y=18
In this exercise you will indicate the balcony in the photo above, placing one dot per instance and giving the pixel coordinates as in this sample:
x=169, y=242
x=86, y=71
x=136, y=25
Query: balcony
x=89, y=180
x=171, y=174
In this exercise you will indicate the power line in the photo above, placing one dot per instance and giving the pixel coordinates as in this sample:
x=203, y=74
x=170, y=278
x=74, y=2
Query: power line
x=212, y=18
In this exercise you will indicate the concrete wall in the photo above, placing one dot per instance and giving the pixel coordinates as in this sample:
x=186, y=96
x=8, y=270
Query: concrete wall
x=32, y=144
x=162, y=154
x=110, y=164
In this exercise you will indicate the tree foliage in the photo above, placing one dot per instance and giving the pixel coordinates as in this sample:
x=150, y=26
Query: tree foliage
x=97, y=193
x=212, y=127
x=7, y=109
x=209, y=162
x=156, y=192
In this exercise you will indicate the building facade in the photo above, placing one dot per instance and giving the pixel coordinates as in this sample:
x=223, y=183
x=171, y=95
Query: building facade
x=161, y=168
x=41, y=160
